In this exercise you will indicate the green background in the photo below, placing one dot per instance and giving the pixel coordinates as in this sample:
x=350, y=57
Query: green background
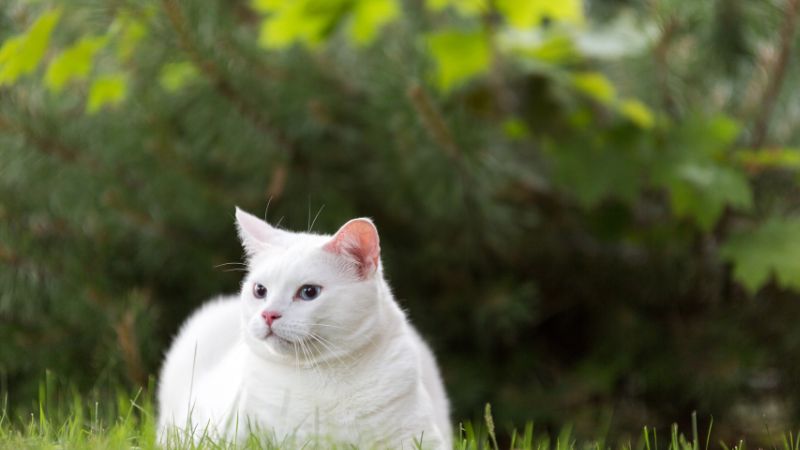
x=589, y=210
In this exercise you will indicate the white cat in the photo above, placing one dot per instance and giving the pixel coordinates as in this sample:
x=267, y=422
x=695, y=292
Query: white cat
x=314, y=347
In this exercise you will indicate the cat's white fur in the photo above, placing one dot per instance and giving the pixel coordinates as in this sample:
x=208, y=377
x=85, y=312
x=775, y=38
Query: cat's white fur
x=365, y=377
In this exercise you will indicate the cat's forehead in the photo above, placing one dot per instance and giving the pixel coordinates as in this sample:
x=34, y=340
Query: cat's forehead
x=299, y=252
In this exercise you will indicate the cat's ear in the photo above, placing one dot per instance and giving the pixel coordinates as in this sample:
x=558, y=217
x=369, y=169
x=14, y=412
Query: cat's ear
x=358, y=241
x=256, y=235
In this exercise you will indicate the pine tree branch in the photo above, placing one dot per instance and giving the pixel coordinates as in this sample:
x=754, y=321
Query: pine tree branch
x=163, y=150
x=778, y=74
x=54, y=148
x=48, y=146
x=433, y=121
x=436, y=126
x=225, y=88
x=232, y=47
x=220, y=83
x=331, y=72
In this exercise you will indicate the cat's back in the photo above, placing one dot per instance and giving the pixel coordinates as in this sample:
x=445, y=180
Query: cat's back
x=203, y=340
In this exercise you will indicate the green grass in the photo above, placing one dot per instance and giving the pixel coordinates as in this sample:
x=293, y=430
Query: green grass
x=70, y=421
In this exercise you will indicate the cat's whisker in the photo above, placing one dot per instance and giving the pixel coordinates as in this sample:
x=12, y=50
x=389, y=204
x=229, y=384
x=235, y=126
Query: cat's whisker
x=342, y=364
x=311, y=227
x=316, y=351
x=314, y=363
x=232, y=263
x=330, y=351
x=306, y=354
x=318, y=336
x=266, y=210
x=237, y=266
x=296, y=357
x=328, y=364
x=330, y=326
x=313, y=352
x=324, y=375
x=313, y=324
x=332, y=348
x=303, y=350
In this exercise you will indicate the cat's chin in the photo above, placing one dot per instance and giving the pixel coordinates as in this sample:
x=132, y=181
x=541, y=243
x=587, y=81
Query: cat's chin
x=276, y=344
x=275, y=339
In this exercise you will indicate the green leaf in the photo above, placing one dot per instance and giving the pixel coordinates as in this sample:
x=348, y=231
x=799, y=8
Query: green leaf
x=557, y=48
x=369, y=16
x=74, y=63
x=10, y=62
x=287, y=25
x=175, y=75
x=21, y=54
x=310, y=22
x=107, y=90
x=771, y=249
x=532, y=13
x=266, y=6
x=706, y=137
x=595, y=85
x=307, y=22
x=594, y=171
x=459, y=56
x=515, y=129
x=702, y=191
x=284, y=29
x=469, y=8
x=696, y=170
x=637, y=112
x=773, y=158
x=129, y=31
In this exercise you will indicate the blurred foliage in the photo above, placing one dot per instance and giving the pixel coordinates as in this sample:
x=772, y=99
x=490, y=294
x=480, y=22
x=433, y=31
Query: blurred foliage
x=590, y=209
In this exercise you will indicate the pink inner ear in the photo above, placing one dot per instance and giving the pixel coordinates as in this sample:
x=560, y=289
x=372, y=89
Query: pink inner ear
x=359, y=240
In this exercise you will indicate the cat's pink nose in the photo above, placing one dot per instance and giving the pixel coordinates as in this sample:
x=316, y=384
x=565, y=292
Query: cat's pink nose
x=270, y=316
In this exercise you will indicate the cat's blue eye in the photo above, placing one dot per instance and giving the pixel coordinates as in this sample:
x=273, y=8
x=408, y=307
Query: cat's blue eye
x=259, y=290
x=308, y=292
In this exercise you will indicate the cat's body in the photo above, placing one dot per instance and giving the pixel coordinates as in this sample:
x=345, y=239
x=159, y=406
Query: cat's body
x=362, y=374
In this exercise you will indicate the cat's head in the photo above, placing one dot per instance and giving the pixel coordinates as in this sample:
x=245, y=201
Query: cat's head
x=309, y=295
